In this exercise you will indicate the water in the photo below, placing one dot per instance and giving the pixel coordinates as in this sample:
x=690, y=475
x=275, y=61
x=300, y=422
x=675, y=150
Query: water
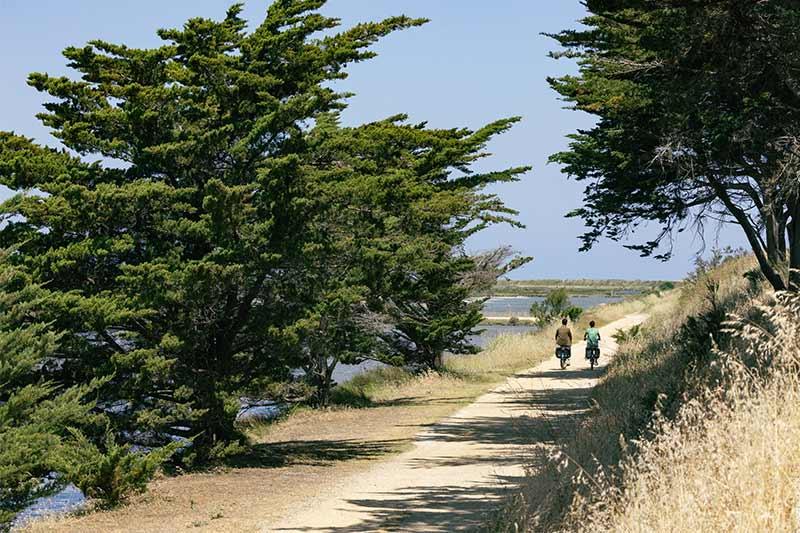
x=502, y=306
x=491, y=331
x=70, y=499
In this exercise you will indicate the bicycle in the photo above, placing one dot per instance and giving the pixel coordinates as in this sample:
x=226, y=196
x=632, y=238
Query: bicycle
x=564, y=353
x=592, y=354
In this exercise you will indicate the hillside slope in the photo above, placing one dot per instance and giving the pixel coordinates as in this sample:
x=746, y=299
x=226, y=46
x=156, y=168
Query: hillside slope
x=696, y=426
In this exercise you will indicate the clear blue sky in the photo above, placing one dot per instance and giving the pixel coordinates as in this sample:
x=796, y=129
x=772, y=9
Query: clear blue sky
x=476, y=61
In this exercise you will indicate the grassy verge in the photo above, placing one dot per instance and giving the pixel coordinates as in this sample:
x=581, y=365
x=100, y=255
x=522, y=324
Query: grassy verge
x=695, y=427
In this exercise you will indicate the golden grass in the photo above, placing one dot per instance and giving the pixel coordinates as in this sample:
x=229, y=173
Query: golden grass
x=681, y=440
x=730, y=459
x=736, y=471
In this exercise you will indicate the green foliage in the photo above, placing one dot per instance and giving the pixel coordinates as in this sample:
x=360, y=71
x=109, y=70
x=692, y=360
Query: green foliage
x=34, y=412
x=114, y=472
x=241, y=231
x=389, y=280
x=173, y=275
x=556, y=305
x=573, y=312
x=697, y=120
x=626, y=335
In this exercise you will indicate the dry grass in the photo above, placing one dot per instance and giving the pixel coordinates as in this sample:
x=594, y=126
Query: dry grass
x=685, y=437
x=730, y=459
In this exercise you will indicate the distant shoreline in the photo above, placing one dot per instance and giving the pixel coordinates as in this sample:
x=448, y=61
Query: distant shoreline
x=541, y=288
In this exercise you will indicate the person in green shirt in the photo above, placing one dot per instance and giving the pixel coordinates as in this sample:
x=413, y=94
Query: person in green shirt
x=592, y=338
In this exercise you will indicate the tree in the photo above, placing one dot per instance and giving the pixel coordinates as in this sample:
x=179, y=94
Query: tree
x=698, y=121
x=171, y=270
x=405, y=199
x=34, y=412
x=45, y=428
x=555, y=305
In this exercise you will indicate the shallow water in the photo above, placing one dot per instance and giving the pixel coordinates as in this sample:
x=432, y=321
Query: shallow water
x=502, y=306
x=68, y=500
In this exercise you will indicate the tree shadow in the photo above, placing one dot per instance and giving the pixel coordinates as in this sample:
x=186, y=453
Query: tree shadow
x=358, y=400
x=312, y=453
x=578, y=373
x=498, y=442
x=430, y=509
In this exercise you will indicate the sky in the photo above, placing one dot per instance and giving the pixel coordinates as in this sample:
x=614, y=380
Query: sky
x=474, y=62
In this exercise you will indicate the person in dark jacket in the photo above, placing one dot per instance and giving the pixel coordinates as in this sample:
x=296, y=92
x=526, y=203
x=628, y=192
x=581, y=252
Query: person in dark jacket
x=564, y=334
x=564, y=337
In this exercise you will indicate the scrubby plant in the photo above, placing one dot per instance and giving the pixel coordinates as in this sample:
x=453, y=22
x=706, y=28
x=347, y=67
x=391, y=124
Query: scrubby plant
x=556, y=305
x=111, y=472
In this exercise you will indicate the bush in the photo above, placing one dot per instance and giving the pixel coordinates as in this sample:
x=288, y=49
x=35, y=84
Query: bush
x=113, y=473
x=555, y=305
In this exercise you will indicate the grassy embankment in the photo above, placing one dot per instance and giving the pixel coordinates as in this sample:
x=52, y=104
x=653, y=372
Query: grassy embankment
x=695, y=427
x=376, y=414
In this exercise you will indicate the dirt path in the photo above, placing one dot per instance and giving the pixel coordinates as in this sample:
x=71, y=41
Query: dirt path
x=459, y=468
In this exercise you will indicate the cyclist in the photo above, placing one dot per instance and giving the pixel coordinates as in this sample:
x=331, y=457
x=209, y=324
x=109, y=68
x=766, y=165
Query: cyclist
x=592, y=338
x=564, y=337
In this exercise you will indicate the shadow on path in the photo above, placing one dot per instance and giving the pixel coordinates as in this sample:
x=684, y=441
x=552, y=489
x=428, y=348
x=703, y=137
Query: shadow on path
x=430, y=509
x=505, y=440
x=319, y=452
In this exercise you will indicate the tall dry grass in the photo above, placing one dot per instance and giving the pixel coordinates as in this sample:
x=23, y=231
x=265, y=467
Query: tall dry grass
x=730, y=459
x=656, y=452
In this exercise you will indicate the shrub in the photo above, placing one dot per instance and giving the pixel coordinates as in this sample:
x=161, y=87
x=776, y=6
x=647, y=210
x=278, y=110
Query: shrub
x=113, y=473
x=556, y=304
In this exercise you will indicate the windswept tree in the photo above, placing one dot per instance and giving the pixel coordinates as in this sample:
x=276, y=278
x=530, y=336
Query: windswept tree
x=698, y=122
x=169, y=268
x=405, y=199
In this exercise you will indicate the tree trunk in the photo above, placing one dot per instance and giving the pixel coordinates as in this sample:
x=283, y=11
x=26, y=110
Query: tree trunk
x=438, y=361
x=794, y=249
x=753, y=237
x=322, y=379
x=215, y=425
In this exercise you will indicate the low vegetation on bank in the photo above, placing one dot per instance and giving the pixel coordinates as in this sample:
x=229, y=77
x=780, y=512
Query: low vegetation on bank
x=656, y=451
x=576, y=287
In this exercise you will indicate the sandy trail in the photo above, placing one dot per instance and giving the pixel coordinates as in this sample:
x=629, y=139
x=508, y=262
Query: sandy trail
x=461, y=467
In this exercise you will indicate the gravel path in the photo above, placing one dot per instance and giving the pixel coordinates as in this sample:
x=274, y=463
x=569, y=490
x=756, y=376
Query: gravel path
x=461, y=467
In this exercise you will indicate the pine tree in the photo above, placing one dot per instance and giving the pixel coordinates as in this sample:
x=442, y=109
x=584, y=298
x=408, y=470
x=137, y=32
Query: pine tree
x=172, y=271
x=408, y=199
x=698, y=122
x=34, y=412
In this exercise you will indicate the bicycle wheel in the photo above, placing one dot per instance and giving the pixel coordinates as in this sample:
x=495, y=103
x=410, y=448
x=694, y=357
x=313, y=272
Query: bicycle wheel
x=563, y=362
